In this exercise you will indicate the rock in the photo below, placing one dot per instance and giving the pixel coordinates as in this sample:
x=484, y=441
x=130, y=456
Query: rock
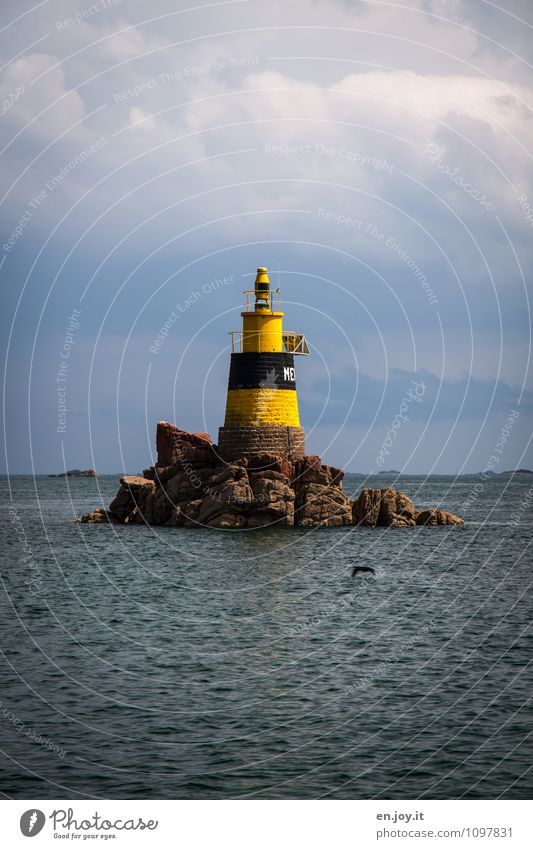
x=365, y=508
x=122, y=504
x=172, y=443
x=383, y=507
x=98, y=517
x=131, y=498
x=228, y=472
x=186, y=514
x=162, y=507
x=311, y=470
x=433, y=516
x=223, y=501
x=136, y=483
x=320, y=499
x=186, y=484
x=227, y=498
x=191, y=487
x=270, y=462
x=337, y=475
x=273, y=500
x=396, y=510
x=319, y=504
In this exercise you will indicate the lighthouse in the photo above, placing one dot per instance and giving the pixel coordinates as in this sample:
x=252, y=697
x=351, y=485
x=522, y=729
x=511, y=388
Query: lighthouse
x=262, y=405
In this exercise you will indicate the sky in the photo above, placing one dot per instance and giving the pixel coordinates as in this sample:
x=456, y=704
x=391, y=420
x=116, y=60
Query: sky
x=376, y=156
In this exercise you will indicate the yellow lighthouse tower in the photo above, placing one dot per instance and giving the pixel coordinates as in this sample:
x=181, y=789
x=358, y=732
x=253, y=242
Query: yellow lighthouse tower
x=262, y=405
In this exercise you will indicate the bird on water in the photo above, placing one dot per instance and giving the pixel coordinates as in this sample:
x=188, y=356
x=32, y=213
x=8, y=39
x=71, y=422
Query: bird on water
x=361, y=569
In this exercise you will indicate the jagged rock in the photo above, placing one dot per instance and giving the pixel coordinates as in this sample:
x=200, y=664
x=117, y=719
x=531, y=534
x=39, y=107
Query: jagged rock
x=98, y=517
x=161, y=507
x=365, y=508
x=310, y=470
x=320, y=504
x=273, y=499
x=433, y=516
x=270, y=462
x=132, y=500
x=397, y=510
x=122, y=504
x=137, y=484
x=191, y=487
x=384, y=507
x=226, y=496
x=186, y=484
x=320, y=499
x=185, y=515
x=174, y=444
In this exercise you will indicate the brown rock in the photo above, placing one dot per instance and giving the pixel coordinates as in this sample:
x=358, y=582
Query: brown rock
x=337, y=475
x=186, y=515
x=191, y=487
x=162, y=474
x=273, y=500
x=365, y=508
x=135, y=482
x=98, y=517
x=122, y=504
x=320, y=499
x=228, y=497
x=310, y=470
x=270, y=462
x=383, y=507
x=239, y=461
x=269, y=475
x=133, y=497
x=171, y=442
x=187, y=484
x=434, y=516
x=227, y=520
x=397, y=510
x=322, y=505
x=231, y=471
x=162, y=507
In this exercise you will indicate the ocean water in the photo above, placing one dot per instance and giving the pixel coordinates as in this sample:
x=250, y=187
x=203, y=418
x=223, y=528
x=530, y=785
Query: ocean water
x=195, y=664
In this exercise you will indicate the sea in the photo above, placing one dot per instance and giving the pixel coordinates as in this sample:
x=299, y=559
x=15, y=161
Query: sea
x=168, y=663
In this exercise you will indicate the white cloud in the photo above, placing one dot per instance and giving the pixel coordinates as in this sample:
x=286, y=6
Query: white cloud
x=256, y=117
x=139, y=120
x=48, y=105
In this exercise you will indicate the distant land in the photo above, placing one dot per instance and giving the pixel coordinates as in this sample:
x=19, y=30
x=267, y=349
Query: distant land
x=490, y=473
x=75, y=473
x=90, y=473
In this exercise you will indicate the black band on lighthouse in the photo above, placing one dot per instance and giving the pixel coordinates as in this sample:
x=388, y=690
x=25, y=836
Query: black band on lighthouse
x=253, y=370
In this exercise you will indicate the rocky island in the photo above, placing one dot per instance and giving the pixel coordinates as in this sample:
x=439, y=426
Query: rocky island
x=76, y=473
x=191, y=485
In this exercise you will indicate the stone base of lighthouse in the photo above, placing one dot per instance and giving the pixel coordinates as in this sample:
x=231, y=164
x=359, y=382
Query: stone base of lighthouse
x=234, y=442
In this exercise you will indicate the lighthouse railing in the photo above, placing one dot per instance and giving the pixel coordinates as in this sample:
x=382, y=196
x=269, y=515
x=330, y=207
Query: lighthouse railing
x=273, y=299
x=293, y=343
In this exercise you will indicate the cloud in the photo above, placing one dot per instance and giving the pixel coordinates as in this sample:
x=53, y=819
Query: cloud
x=138, y=119
x=372, y=153
x=48, y=105
x=363, y=399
